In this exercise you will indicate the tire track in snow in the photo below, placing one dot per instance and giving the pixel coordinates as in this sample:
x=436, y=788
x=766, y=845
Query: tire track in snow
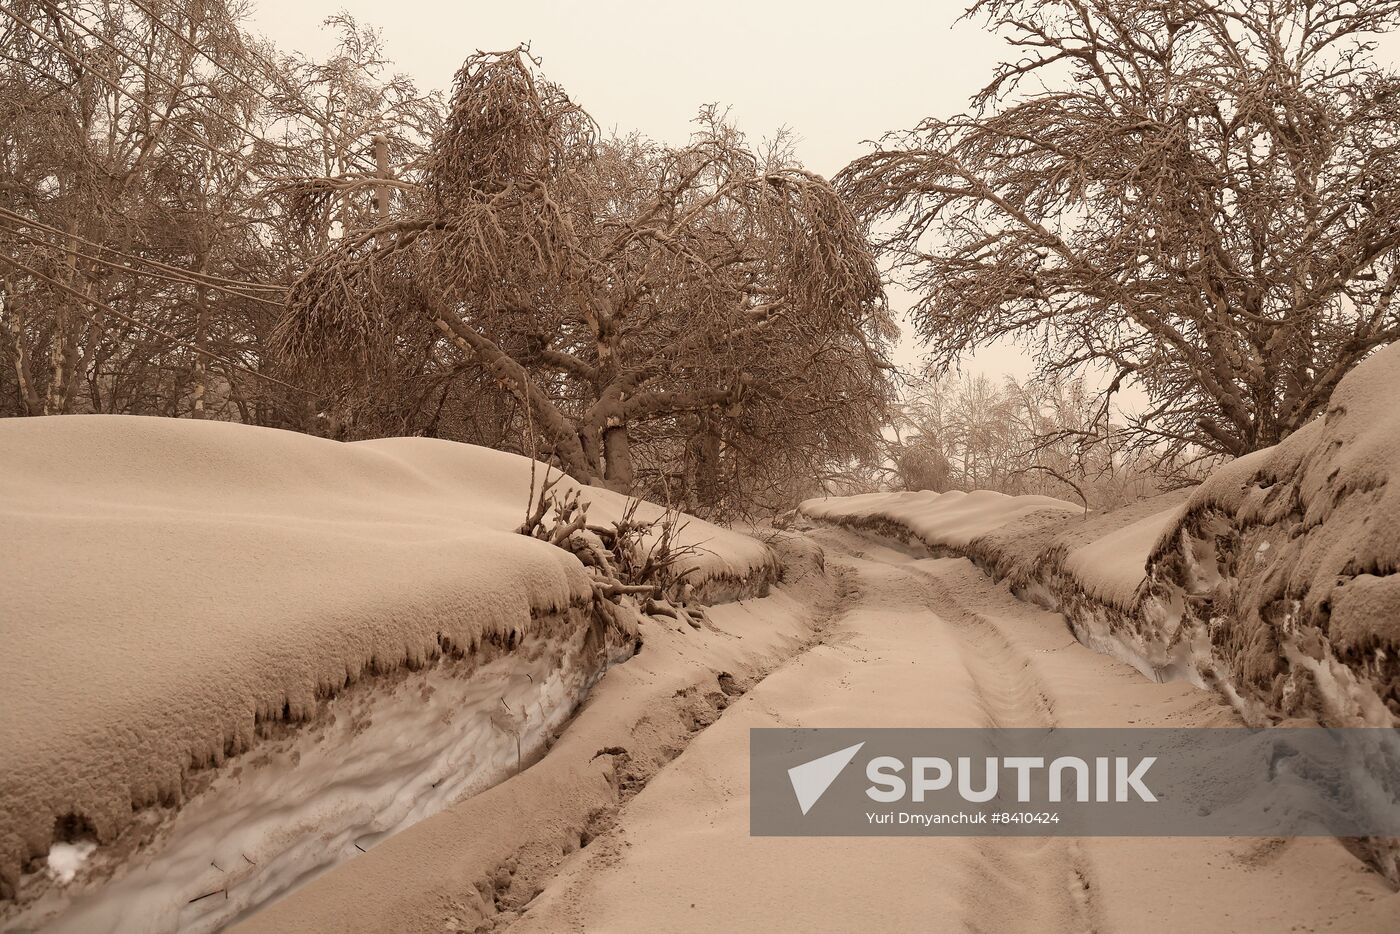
x=883, y=657
x=1032, y=878
x=921, y=642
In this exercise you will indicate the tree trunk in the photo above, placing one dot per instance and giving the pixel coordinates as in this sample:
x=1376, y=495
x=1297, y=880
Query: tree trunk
x=12, y=324
x=707, y=467
x=201, y=341
x=561, y=430
x=63, y=355
x=617, y=456
x=59, y=358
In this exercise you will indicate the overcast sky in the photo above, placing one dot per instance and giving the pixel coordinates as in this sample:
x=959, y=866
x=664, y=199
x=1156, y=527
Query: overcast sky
x=836, y=75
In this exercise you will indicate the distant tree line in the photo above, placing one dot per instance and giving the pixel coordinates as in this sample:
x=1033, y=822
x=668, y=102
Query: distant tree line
x=969, y=432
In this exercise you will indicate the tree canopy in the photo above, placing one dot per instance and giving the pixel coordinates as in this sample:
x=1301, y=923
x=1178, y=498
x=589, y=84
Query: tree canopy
x=659, y=315
x=196, y=224
x=1196, y=196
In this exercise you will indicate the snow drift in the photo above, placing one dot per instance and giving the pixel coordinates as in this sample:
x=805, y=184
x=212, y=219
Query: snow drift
x=181, y=595
x=1281, y=573
x=938, y=520
x=1274, y=582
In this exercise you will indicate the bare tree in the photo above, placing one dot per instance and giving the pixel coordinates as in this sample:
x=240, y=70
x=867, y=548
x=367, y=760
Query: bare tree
x=703, y=324
x=165, y=176
x=685, y=302
x=343, y=115
x=130, y=234
x=1199, y=196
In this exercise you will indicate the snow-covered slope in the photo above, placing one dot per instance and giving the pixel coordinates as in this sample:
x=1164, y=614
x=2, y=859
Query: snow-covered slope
x=498, y=487
x=946, y=520
x=1277, y=581
x=1283, y=572
x=176, y=593
x=1112, y=567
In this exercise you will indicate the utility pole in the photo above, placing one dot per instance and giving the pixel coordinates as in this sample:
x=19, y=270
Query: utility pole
x=381, y=163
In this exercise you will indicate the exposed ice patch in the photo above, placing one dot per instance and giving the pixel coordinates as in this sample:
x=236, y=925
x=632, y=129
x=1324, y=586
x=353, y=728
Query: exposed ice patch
x=65, y=859
x=381, y=756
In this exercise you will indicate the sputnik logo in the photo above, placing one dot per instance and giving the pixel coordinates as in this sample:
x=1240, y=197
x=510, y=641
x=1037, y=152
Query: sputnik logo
x=810, y=780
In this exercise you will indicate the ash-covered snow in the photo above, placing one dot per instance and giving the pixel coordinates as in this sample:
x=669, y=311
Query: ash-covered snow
x=181, y=596
x=1113, y=567
x=940, y=520
x=382, y=756
x=1275, y=582
x=1282, y=571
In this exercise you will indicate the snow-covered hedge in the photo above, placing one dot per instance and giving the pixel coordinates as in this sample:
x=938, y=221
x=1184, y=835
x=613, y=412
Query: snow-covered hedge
x=938, y=520
x=1282, y=570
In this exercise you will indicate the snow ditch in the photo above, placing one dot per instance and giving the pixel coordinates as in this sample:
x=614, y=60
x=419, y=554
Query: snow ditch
x=385, y=753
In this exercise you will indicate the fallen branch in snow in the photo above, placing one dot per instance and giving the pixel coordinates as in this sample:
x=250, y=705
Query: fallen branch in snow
x=634, y=563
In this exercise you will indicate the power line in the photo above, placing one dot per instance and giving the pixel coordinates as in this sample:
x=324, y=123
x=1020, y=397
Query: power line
x=183, y=280
x=199, y=51
x=135, y=322
x=216, y=282
x=213, y=279
x=209, y=56
x=150, y=72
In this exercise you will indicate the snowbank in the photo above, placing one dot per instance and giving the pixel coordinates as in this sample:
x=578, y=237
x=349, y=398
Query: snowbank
x=474, y=865
x=1090, y=567
x=499, y=485
x=938, y=520
x=381, y=756
x=177, y=591
x=1276, y=582
x=1112, y=568
x=1281, y=574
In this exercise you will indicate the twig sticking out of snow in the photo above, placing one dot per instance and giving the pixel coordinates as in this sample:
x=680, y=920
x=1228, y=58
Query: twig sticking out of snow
x=634, y=563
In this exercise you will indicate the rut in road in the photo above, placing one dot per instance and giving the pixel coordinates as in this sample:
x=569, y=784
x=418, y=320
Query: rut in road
x=1032, y=878
x=921, y=642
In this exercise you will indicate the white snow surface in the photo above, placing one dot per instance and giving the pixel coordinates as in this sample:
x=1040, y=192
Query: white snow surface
x=951, y=519
x=65, y=859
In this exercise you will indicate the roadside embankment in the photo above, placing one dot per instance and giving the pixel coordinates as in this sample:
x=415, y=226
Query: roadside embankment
x=236, y=656
x=1274, y=582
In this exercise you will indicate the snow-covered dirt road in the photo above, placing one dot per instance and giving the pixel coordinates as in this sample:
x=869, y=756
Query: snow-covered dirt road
x=925, y=643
